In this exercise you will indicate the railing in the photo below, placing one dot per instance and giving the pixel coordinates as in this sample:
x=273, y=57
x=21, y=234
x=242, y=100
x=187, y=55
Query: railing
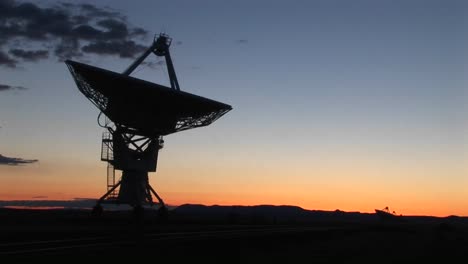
x=107, y=153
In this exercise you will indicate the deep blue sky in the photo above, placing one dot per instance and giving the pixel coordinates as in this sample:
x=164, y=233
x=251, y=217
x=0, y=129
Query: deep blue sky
x=363, y=99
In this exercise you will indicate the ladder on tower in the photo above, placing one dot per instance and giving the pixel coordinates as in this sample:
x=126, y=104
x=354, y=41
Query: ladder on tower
x=107, y=154
x=111, y=181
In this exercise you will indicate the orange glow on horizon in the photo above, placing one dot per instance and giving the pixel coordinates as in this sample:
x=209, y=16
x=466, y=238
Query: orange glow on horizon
x=176, y=199
x=352, y=187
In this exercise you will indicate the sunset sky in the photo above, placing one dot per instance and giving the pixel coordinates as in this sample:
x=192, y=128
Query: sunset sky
x=350, y=105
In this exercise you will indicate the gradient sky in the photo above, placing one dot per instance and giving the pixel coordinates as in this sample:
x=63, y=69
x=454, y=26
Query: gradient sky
x=350, y=105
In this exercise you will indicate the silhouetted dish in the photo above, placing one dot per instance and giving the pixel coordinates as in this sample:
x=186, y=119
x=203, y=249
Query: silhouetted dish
x=146, y=108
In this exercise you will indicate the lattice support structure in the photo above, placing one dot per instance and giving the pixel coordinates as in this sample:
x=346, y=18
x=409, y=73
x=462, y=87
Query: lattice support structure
x=135, y=156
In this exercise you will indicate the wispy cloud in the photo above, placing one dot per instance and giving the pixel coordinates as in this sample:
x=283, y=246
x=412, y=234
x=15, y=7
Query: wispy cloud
x=9, y=161
x=30, y=55
x=75, y=203
x=6, y=87
x=242, y=41
x=39, y=197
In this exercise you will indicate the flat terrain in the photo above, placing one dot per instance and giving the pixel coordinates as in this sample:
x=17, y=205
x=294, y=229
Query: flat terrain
x=75, y=236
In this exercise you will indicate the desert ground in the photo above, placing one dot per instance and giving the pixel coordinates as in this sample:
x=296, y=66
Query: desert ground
x=200, y=237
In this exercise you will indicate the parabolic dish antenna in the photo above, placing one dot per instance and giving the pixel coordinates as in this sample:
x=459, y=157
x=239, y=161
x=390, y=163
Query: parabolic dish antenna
x=138, y=114
x=148, y=108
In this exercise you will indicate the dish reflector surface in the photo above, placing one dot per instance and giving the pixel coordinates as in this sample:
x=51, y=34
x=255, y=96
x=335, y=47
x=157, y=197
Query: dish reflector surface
x=146, y=108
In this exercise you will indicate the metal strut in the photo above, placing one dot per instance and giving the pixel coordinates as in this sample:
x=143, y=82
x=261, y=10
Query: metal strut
x=157, y=196
x=160, y=48
x=108, y=192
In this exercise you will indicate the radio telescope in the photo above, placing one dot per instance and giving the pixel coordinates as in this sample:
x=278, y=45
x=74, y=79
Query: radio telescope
x=138, y=114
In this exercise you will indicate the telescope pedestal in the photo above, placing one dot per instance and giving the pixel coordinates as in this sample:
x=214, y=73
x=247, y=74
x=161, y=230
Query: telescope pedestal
x=135, y=156
x=135, y=190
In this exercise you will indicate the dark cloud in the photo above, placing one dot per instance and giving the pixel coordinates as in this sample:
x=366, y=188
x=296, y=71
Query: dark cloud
x=124, y=49
x=68, y=31
x=139, y=32
x=68, y=48
x=87, y=32
x=154, y=64
x=79, y=19
x=32, y=22
x=178, y=43
x=6, y=60
x=30, y=55
x=114, y=29
x=14, y=161
x=5, y=87
x=242, y=41
x=93, y=11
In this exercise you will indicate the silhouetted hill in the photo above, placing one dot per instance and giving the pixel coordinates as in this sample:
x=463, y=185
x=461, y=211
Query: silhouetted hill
x=266, y=214
x=197, y=213
x=256, y=209
x=269, y=214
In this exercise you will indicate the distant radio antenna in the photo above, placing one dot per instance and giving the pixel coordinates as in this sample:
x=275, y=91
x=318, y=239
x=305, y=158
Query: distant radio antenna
x=137, y=114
